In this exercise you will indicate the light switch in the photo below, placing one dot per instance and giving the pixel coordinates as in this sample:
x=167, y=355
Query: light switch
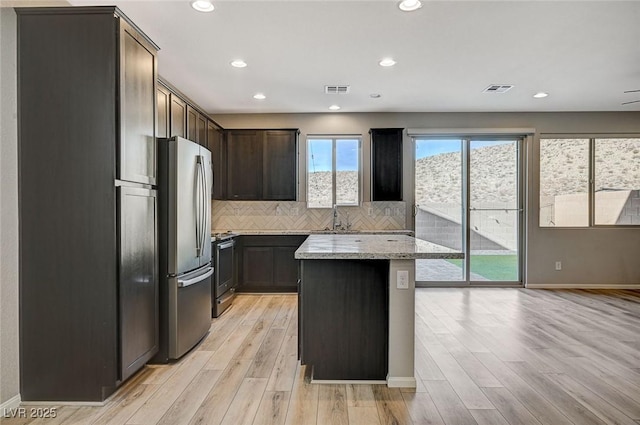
x=403, y=279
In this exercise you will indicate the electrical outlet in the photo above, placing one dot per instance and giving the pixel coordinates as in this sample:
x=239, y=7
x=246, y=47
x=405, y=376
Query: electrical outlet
x=370, y=212
x=397, y=211
x=558, y=265
x=402, y=279
x=387, y=211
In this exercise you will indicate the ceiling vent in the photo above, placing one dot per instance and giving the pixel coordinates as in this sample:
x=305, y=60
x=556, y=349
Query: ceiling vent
x=336, y=89
x=498, y=88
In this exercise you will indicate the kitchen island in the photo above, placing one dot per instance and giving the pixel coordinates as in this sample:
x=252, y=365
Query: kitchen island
x=357, y=306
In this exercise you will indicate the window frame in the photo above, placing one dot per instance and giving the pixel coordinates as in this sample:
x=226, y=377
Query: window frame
x=591, y=137
x=334, y=138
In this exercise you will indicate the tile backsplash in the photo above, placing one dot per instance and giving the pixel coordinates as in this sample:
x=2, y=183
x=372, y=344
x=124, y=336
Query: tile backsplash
x=287, y=215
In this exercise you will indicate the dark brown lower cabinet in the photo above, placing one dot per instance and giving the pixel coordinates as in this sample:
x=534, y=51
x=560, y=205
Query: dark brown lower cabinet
x=138, y=277
x=267, y=263
x=343, y=318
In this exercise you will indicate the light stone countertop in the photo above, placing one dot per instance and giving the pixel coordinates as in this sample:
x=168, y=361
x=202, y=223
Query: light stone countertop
x=371, y=247
x=317, y=232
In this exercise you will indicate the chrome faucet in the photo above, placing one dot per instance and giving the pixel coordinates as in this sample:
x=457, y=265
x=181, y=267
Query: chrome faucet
x=336, y=222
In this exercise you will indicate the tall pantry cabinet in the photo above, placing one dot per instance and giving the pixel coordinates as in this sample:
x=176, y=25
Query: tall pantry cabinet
x=87, y=168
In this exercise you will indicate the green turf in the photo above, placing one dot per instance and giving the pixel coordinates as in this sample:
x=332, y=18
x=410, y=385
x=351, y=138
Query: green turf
x=493, y=267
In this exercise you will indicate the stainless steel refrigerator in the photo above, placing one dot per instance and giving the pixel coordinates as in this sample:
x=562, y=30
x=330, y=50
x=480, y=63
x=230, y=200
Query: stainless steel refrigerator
x=185, y=179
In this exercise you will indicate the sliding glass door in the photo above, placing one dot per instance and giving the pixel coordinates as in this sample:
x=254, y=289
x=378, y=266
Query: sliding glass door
x=469, y=198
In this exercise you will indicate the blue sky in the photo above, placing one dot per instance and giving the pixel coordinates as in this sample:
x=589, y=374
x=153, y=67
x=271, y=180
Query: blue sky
x=433, y=147
x=347, y=155
x=347, y=151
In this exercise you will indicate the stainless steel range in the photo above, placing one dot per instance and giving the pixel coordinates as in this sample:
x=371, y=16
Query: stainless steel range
x=223, y=288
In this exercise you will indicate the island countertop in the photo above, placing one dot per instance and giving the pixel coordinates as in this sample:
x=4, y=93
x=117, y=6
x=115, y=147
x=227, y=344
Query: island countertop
x=372, y=247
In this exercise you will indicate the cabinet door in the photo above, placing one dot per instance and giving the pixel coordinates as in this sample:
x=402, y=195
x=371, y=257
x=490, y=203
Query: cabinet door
x=192, y=124
x=178, y=117
x=279, y=166
x=244, y=164
x=201, y=127
x=138, y=75
x=215, y=145
x=386, y=164
x=138, y=277
x=345, y=323
x=285, y=268
x=257, y=266
x=163, y=101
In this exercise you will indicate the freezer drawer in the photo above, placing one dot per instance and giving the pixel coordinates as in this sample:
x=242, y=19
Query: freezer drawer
x=190, y=311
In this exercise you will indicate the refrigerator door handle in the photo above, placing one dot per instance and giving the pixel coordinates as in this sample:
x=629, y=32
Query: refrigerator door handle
x=198, y=208
x=204, y=204
x=193, y=281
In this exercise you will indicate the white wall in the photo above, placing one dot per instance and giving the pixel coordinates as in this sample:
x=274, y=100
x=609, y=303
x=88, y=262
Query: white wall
x=9, y=354
x=590, y=257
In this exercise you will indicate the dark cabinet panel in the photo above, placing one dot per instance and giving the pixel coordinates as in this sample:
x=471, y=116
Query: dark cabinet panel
x=215, y=143
x=344, y=318
x=138, y=75
x=386, y=164
x=285, y=267
x=261, y=164
x=257, y=267
x=279, y=165
x=244, y=164
x=192, y=124
x=138, y=269
x=267, y=263
x=201, y=130
x=178, y=116
x=163, y=102
x=87, y=111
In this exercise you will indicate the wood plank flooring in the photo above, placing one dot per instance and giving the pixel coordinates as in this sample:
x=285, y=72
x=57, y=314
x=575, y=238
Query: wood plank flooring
x=484, y=356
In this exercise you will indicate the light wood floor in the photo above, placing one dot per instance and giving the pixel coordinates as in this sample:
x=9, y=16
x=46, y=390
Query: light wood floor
x=483, y=356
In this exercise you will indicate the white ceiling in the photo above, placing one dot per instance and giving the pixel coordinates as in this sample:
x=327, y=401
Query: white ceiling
x=585, y=54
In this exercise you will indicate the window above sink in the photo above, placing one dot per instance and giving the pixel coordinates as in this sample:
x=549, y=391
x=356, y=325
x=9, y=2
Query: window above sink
x=334, y=171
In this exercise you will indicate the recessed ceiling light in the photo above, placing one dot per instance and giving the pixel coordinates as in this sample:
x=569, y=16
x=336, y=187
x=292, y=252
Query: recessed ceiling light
x=202, y=5
x=374, y=95
x=238, y=63
x=540, y=95
x=409, y=5
x=334, y=107
x=259, y=96
x=387, y=62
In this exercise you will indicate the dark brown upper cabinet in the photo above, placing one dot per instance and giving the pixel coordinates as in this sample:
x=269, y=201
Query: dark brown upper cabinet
x=386, y=164
x=201, y=130
x=192, y=124
x=164, y=110
x=244, y=164
x=178, y=117
x=215, y=139
x=261, y=164
x=138, y=76
x=279, y=165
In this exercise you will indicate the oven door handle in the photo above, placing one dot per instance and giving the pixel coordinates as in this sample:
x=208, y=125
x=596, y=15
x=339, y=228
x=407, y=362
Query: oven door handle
x=229, y=294
x=226, y=245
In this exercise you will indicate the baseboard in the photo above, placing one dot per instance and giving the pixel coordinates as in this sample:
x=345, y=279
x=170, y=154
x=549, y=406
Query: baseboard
x=64, y=403
x=347, y=381
x=12, y=403
x=401, y=382
x=583, y=286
